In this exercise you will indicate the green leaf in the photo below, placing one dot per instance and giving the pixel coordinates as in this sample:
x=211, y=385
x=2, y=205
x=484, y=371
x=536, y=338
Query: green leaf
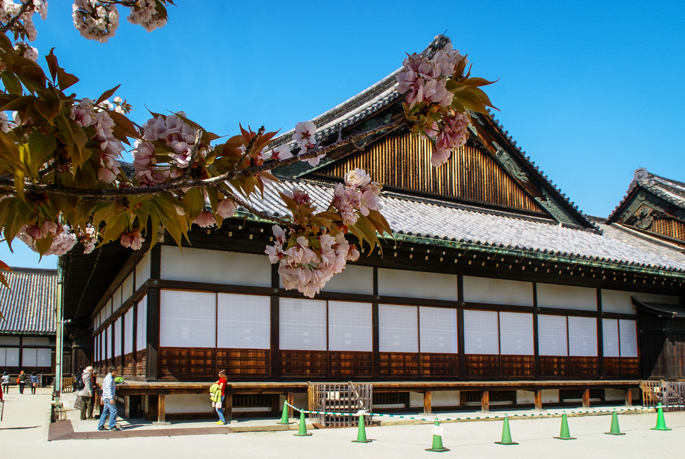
x=12, y=83
x=40, y=147
x=193, y=203
x=49, y=110
x=115, y=226
x=44, y=244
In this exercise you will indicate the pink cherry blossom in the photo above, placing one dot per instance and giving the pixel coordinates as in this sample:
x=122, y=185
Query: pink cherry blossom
x=282, y=152
x=357, y=178
x=132, y=239
x=304, y=131
x=226, y=208
x=205, y=219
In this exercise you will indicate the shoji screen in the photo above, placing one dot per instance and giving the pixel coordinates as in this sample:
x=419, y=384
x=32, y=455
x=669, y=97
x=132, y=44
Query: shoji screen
x=128, y=331
x=516, y=334
x=552, y=335
x=398, y=328
x=582, y=336
x=244, y=322
x=481, y=332
x=44, y=358
x=108, y=343
x=628, y=333
x=12, y=357
x=349, y=326
x=187, y=319
x=610, y=337
x=28, y=357
x=141, y=325
x=117, y=337
x=438, y=330
x=302, y=324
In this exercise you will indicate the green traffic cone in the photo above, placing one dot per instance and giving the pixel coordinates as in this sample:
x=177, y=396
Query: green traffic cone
x=361, y=432
x=302, y=432
x=660, y=421
x=506, y=434
x=437, y=439
x=564, y=434
x=284, y=416
x=615, y=430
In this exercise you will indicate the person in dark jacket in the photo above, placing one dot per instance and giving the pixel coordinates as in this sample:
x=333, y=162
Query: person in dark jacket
x=86, y=394
x=22, y=381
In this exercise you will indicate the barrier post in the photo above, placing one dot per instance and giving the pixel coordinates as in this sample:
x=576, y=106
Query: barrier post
x=284, y=416
x=615, y=429
x=361, y=432
x=660, y=421
x=302, y=431
x=565, y=434
x=506, y=434
x=437, y=439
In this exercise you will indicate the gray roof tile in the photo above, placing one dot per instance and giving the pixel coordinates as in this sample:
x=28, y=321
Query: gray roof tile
x=29, y=304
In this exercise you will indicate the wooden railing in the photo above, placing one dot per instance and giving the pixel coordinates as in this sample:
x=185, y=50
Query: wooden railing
x=669, y=393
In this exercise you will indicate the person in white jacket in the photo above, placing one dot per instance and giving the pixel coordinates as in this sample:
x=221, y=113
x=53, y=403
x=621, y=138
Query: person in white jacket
x=109, y=392
x=87, y=394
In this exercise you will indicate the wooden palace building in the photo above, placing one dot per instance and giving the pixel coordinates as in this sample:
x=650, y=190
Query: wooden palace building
x=496, y=288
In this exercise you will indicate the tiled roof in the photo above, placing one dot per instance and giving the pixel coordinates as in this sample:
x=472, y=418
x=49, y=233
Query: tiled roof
x=29, y=305
x=444, y=222
x=669, y=190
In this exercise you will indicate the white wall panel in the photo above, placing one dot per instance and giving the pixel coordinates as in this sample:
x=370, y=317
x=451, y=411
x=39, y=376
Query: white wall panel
x=628, y=334
x=438, y=330
x=108, y=343
x=28, y=357
x=481, y=332
x=108, y=309
x=398, y=328
x=12, y=357
x=141, y=325
x=117, y=337
x=116, y=299
x=128, y=331
x=44, y=358
x=10, y=340
x=497, y=291
x=610, y=337
x=354, y=279
x=582, y=336
x=35, y=341
x=302, y=324
x=516, y=333
x=187, y=319
x=552, y=335
x=127, y=288
x=200, y=265
x=142, y=271
x=617, y=301
x=567, y=297
x=244, y=322
x=416, y=284
x=350, y=326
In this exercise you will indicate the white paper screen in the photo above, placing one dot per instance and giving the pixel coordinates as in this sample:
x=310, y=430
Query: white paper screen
x=416, y=284
x=108, y=309
x=582, y=336
x=516, y=334
x=349, y=326
x=480, y=332
x=610, y=337
x=302, y=324
x=35, y=341
x=354, y=279
x=12, y=357
x=187, y=319
x=127, y=290
x=117, y=337
x=141, y=325
x=438, y=330
x=566, y=297
x=142, y=271
x=28, y=357
x=116, y=299
x=128, y=332
x=628, y=330
x=244, y=322
x=398, y=328
x=552, y=335
x=497, y=291
x=44, y=358
x=108, y=342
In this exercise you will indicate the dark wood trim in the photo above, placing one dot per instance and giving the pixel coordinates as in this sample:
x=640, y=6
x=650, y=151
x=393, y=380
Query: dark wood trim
x=152, y=335
x=536, y=338
x=375, y=324
x=134, y=343
x=156, y=262
x=600, y=335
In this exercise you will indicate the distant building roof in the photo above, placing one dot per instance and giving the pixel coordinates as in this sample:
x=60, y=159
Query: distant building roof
x=669, y=190
x=29, y=305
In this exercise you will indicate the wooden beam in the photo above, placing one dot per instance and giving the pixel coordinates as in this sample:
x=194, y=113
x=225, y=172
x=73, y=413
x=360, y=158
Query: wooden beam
x=428, y=402
x=629, y=397
x=485, y=401
x=290, y=398
x=538, y=399
x=586, y=398
x=228, y=404
x=152, y=335
x=161, y=408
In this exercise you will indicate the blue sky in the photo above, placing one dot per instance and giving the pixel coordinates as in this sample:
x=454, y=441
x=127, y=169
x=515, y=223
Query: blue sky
x=589, y=90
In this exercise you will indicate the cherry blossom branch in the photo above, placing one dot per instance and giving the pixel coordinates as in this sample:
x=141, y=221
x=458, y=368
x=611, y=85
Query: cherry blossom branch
x=194, y=151
x=224, y=189
x=250, y=147
x=24, y=7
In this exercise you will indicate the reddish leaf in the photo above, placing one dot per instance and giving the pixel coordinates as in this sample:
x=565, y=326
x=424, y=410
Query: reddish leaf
x=107, y=94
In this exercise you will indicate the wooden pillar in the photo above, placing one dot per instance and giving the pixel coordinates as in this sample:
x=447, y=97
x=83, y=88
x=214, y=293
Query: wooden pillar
x=629, y=397
x=460, y=327
x=428, y=402
x=538, y=399
x=228, y=404
x=152, y=335
x=586, y=398
x=290, y=398
x=600, y=335
x=161, y=407
x=485, y=401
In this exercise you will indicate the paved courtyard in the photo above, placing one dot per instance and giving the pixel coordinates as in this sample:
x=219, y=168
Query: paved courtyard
x=25, y=431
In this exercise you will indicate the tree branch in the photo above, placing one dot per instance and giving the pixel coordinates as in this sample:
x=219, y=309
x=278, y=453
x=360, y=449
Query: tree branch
x=232, y=196
x=24, y=7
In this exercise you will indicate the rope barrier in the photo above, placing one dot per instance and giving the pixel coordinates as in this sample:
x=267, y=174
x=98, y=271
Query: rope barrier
x=469, y=418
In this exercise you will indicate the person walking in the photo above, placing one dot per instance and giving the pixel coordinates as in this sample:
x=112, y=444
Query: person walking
x=86, y=394
x=109, y=389
x=22, y=381
x=219, y=406
x=34, y=382
x=6, y=382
